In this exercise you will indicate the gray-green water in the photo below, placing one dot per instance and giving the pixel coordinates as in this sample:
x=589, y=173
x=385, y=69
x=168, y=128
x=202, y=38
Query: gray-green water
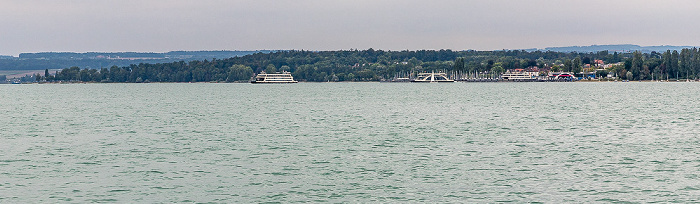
x=350, y=142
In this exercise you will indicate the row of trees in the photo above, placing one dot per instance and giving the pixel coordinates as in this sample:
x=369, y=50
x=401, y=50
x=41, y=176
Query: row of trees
x=374, y=65
x=169, y=72
x=58, y=60
x=660, y=66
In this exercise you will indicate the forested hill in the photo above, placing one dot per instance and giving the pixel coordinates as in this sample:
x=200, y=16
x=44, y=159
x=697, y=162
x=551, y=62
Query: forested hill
x=617, y=48
x=96, y=60
x=375, y=65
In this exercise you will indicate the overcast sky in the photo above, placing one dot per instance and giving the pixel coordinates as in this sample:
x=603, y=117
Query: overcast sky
x=166, y=25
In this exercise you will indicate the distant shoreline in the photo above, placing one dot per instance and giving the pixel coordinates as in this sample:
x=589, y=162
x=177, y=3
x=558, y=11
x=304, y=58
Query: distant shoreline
x=377, y=65
x=313, y=82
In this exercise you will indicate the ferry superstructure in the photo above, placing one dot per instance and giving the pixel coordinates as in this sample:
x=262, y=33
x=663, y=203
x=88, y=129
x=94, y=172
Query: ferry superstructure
x=276, y=78
x=520, y=75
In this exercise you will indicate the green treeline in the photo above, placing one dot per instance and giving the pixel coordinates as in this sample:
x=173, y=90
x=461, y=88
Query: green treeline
x=58, y=60
x=375, y=65
x=667, y=65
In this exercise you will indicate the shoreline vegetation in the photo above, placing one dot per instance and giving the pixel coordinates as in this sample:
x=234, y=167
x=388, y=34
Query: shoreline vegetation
x=312, y=82
x=378, y=65
x=383, y=82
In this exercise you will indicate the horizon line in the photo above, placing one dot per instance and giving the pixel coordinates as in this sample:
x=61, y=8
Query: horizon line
x=236, y=50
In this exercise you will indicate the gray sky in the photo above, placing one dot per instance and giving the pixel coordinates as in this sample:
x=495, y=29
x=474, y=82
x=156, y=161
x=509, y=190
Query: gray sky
x=165, y=25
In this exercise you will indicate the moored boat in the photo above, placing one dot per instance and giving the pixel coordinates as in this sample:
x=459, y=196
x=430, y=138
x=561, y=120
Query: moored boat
x=519, y=75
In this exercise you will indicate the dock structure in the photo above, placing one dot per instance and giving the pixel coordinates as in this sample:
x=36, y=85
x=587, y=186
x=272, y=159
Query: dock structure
x=432, y=77
x=479, y=80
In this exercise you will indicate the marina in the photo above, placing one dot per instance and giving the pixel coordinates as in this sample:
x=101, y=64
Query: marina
x=514, y=75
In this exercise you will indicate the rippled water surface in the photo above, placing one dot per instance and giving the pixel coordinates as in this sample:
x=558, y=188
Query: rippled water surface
x=350, y=142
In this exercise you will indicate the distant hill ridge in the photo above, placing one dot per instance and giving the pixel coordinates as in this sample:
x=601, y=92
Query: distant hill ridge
x=59, y=60
x=616, y=48
x=177, y=55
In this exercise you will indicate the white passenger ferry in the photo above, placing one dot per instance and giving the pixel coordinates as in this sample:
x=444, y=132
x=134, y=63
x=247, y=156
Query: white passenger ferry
x=519, y=75
x=265, y=78
x=432, y=77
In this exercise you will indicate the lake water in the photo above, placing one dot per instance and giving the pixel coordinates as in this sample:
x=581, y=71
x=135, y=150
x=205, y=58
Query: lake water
x=350, y=142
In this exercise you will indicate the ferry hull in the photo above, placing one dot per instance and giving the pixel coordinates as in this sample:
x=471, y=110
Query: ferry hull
x=271, y=82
